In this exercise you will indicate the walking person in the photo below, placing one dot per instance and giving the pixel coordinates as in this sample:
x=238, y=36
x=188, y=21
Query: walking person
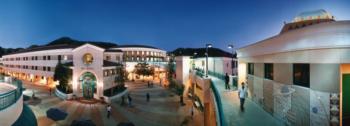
x=160, y=82
x=50, y=90
x=122, y=103
x=109, y=109
x=227, y=79
x=242, y=94
x=192, y=112
x=147, y=97
x=129, y=100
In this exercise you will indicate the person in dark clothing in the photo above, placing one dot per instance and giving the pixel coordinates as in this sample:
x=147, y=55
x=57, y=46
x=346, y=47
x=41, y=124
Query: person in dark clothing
x=147, y=97
x=122, y=103
x=227, y=79
x=129, y=100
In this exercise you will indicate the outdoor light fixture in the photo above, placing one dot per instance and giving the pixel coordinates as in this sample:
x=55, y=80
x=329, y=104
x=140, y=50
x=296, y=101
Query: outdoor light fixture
x=230, y=46
x=208, y=45
x=206, y=59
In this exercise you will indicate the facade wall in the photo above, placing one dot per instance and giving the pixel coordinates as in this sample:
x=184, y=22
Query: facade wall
x=32, y=66
x=220, y=65
x=95, y=67
x=325, y=77
x=141, y=54
x=283, y=73
x=301, y=105
x=183, y=66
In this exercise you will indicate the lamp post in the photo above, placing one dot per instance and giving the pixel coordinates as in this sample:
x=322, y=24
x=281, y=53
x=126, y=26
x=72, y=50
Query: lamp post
x=206, y=59
x=233, y=62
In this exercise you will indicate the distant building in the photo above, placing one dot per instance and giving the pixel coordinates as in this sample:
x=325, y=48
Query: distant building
x=219, y=62
x=299, y=74
x=134, y=54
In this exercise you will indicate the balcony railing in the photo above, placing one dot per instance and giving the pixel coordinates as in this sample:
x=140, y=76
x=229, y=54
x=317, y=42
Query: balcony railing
x=11, y=97
x=218, y=102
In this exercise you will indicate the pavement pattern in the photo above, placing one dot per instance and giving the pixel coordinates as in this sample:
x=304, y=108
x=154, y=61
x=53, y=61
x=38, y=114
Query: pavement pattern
x=163, y=109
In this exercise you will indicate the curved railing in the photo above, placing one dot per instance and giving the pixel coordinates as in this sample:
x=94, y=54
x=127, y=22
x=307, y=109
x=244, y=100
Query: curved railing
x=11, y=97
x=218, y=104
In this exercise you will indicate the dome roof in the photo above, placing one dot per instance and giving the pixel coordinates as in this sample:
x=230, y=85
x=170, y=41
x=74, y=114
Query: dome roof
x=313, y=15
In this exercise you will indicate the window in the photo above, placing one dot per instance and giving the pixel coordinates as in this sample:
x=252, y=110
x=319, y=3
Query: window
x=65, y=57
x=59, y=57
x=301, y=75
x=117, y=58
x=48, y=57
x=48, y=68
x=44, y=57
x=251, y=68
x=36, y=67
x=268, y=71
x=44, y=68
x=108, y=57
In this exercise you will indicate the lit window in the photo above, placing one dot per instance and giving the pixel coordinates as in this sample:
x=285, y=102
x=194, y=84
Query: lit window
x=65, y=57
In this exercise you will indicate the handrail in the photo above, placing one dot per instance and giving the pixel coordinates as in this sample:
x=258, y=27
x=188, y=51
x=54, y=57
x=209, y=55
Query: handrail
x=11, y=97
x=218, y=104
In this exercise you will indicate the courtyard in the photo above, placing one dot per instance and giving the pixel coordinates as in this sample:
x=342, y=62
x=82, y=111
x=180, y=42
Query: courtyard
x=162, y=109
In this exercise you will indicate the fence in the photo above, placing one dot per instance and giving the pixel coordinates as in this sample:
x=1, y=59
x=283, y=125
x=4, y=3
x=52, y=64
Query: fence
x=11, y=97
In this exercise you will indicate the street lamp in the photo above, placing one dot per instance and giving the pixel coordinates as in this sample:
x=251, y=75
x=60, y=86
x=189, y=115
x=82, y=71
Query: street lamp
x=206, y=59
x=233, y=62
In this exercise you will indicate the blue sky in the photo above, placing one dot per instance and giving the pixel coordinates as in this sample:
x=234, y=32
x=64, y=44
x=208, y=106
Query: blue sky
x=167, y=24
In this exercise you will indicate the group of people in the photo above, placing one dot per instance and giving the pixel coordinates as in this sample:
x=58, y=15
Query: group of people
x=129, y=100
x=242, y=92
x=149, y=84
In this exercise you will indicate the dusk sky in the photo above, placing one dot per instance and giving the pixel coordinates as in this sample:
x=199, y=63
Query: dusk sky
x=167, y=24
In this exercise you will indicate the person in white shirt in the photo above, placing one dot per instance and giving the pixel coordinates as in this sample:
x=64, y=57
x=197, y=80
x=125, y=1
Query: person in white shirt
x=242, y=94
x=109, y=109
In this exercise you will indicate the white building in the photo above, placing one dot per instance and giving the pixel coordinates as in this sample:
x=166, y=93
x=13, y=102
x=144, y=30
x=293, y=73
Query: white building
x=134, y=54
x=92, y=65
x=300, y=74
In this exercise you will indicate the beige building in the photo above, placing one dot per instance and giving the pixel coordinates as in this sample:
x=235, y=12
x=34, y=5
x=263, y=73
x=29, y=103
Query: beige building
x=298, y=75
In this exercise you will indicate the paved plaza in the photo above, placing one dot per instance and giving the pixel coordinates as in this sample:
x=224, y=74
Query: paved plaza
x=162, y=110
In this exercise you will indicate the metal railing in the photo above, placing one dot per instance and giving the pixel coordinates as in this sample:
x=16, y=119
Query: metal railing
x=11, y=97
x=218, y=104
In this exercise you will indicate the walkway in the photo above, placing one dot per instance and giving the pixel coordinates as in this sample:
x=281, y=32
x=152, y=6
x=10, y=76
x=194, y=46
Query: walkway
x=162, y=110
x=253, y=114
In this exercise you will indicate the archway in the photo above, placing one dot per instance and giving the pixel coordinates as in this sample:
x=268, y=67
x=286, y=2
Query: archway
x=88, y=84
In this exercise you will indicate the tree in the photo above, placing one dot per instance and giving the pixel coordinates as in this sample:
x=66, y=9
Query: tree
x=62, y=74
x=171, y=72
x=121, y=75
x=144, y=69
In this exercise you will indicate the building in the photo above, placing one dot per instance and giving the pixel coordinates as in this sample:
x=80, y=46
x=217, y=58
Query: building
x=134, y=54
x=93, y=64
x=301, y=74
x=219, y=62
